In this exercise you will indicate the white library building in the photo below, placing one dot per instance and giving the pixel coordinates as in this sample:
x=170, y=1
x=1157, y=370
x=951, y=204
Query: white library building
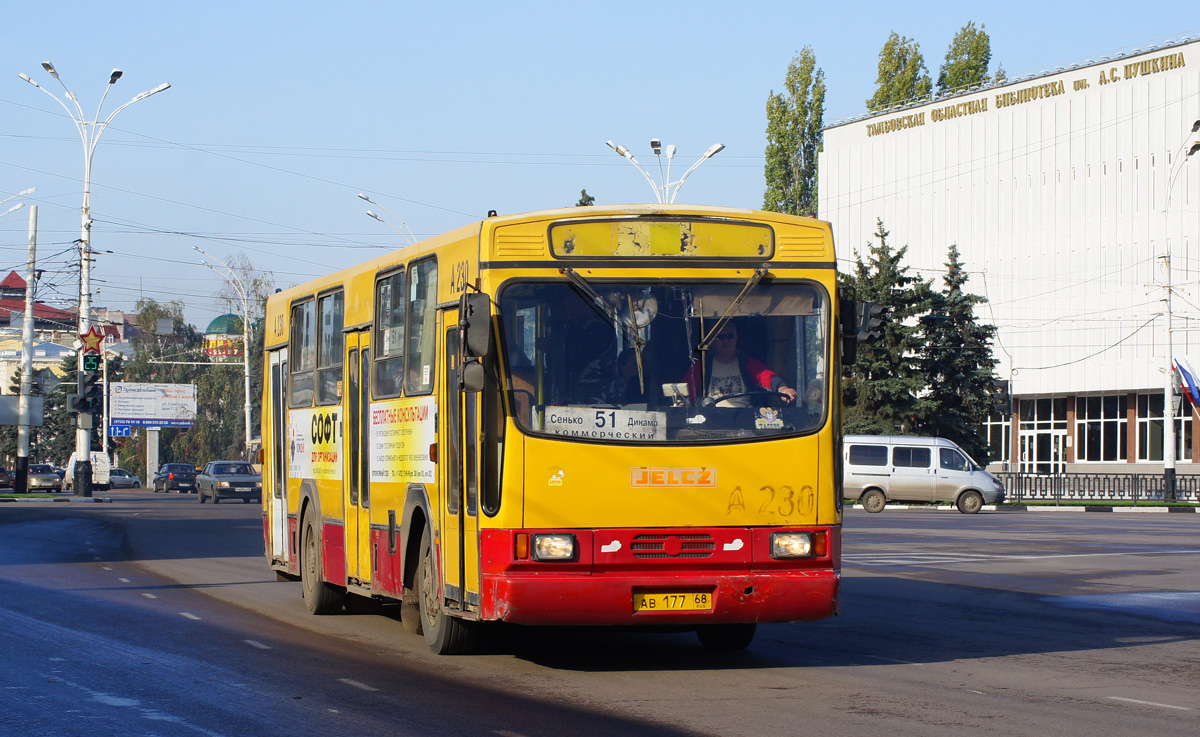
x=1075, y=205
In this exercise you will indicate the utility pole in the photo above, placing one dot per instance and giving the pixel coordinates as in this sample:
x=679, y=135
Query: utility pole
x=21, y=484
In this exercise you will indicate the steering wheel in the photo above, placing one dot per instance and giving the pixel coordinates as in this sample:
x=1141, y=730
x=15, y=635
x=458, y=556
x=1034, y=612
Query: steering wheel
x=712, y=401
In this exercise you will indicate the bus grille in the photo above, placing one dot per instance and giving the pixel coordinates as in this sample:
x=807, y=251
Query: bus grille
x=672, y=546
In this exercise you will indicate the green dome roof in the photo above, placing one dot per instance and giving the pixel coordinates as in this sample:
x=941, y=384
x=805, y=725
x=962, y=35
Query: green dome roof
x=229, y=324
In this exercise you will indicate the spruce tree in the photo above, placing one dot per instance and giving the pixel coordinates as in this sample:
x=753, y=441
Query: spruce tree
x=957, y=362
x=881, y=389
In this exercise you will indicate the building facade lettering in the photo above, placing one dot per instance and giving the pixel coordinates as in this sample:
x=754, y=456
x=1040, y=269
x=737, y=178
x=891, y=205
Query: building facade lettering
x=1132, y=70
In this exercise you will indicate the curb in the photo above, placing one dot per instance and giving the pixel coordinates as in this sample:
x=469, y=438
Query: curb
x=1043, y=508
x=61, y=499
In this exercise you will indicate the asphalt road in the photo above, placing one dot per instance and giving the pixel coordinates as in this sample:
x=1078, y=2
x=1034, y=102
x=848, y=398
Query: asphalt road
x=154, y=615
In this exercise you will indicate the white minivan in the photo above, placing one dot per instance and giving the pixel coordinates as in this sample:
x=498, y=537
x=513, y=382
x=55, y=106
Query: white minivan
x=100, y=472
x=883, y=468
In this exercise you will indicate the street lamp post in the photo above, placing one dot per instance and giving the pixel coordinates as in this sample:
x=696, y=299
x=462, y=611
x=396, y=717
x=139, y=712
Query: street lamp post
x=21, y=480
x=404, y=231
x=89, y=134
x=243, y=292
x=666, y=190
x=1169, y=438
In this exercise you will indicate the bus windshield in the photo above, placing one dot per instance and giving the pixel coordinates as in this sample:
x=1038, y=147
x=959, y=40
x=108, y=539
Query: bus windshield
x=667, y=362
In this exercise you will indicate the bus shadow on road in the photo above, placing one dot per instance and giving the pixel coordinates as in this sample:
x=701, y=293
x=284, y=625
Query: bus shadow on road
x=885, y=621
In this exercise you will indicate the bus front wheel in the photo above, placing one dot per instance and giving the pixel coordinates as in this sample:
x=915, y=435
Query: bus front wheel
x=444, y=634
x=319, y=596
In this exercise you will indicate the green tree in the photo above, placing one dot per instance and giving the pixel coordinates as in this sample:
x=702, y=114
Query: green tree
x=957, y=363
x=967, y=60
x=794, y=121
x=585, y=199
x=881, y=389
x=903, y=77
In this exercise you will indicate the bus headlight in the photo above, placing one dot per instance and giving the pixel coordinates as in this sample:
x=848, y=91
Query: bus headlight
x=791, y=544
x=553, y=547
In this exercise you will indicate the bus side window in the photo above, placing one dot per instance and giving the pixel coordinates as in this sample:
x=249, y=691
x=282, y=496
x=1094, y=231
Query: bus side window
x=391, y=302
x=421, y=332
x=303, y=350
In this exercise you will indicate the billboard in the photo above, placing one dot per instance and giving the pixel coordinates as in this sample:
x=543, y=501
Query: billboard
x=152, y=405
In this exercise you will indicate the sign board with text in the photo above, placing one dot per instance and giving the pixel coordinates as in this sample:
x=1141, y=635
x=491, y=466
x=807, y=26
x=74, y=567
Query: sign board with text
x=152, y=405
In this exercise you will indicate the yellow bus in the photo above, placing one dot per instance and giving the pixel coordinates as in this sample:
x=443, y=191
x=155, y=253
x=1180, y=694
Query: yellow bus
x=623, y=415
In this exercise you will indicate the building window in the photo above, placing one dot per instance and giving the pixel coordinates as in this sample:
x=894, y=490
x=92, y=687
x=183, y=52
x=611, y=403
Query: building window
x=1100, y=429
x=1150, y=430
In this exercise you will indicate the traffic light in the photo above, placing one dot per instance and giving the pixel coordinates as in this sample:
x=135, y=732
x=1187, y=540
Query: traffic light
x=869, y=319
x=90, y=393
x=1001, y=398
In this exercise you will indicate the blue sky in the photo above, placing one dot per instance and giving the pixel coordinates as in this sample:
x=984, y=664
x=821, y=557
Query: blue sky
x=280, y=113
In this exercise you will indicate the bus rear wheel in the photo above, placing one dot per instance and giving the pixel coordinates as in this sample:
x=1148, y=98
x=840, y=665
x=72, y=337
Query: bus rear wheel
x=726, y=636
x=444, y=634
x=319, y=596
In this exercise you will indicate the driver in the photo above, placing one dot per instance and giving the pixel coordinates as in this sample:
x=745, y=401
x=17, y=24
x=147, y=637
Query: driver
x=730, y=371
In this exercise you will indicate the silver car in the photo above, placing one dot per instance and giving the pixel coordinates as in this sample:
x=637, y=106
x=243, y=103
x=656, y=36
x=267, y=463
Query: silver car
x=119, y=478
x=43, y=478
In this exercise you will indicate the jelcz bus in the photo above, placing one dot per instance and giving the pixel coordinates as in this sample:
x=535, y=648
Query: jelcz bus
x=521, y=421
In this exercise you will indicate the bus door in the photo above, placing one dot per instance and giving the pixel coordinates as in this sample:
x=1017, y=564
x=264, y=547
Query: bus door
x=356, y=473
x=275, y=466
x=459, y=469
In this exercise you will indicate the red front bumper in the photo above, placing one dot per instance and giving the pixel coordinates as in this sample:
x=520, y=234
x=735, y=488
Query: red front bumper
x=598, y=587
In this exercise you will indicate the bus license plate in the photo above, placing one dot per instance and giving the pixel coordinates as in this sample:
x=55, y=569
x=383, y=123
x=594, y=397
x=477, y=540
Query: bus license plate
x=674, y=601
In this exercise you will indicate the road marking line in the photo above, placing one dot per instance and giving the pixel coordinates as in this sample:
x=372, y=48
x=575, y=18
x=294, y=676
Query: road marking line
x=149, y=595
x=1149, y=703
x=123, y=580
x=506, y=733
x=108, y=568
x=257, y=644
x=356, y=684
x=189, y=616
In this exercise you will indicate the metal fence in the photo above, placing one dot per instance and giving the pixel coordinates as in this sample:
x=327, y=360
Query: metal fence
x=1107, y=487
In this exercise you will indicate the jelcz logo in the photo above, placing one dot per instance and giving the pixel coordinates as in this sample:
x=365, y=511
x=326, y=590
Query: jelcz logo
x=672, y=477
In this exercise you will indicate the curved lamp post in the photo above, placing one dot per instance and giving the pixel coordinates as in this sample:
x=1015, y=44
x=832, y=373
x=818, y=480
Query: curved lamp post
x=243, y=292
x=666, y=190
x=89, y=134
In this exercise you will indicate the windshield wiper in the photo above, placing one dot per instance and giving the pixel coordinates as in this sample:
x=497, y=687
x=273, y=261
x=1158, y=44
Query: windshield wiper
x=629, y=325
x=708, y=339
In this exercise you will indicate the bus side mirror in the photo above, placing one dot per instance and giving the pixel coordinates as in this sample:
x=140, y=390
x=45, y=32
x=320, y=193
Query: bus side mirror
x=475, y=318
x=473, y=376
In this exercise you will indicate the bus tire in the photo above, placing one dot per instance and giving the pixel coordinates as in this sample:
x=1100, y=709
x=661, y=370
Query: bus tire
x=970, y=502
x=874, y=501
x=319, y=596
x=444, y=634
x=726, y=636
x=410, y=617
